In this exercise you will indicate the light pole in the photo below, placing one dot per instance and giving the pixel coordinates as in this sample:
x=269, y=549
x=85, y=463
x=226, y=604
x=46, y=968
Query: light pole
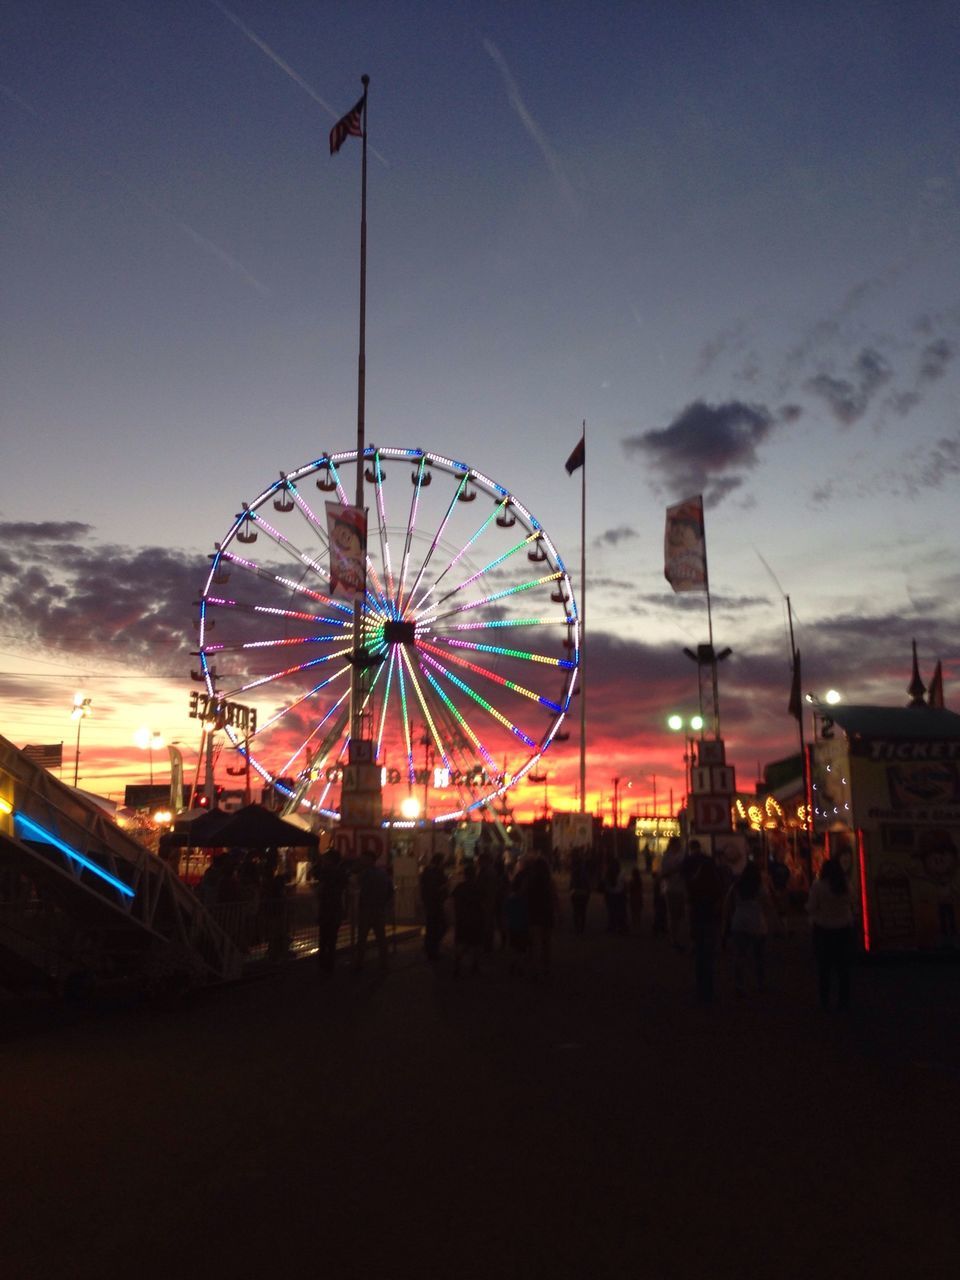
x=81, y=709
x=679, y=723
x=148, y=739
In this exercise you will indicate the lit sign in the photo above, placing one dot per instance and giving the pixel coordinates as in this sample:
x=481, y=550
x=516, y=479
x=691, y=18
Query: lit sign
x=223, y=713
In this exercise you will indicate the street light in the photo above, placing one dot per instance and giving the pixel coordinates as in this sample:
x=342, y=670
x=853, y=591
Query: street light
x=617, y=782
x=831, y=698
x=148, y=740
x=81, y=709
x=680, y=723
x=707, y=657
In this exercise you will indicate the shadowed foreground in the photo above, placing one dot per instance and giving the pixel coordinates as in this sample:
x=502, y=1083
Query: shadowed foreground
x=595, y=1124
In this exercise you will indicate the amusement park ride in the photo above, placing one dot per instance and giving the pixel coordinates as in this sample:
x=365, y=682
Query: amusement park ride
x=459, y=615
x=469, y=636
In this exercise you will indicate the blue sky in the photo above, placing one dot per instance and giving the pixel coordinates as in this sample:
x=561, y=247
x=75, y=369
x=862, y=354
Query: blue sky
x=726, y=236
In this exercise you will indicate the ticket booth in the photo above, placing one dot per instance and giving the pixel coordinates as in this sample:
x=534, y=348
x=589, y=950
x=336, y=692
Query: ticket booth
x=885, y=795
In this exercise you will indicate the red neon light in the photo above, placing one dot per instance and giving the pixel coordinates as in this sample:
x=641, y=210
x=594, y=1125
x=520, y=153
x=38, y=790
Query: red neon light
x=861, y=857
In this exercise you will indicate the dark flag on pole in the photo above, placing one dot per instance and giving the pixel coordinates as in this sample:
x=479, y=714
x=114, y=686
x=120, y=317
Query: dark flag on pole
x=935, y=692
x=578, y=457
x=348, y=126
x=795, y=705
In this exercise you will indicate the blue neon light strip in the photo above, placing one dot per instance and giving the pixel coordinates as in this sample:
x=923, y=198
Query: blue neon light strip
x=80, y=858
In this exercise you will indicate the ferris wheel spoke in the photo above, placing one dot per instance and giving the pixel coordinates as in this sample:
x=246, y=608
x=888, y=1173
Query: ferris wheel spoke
x=494, y=596
x=411, y=528
x=290, y=671
x=384, y=707
x=494, y=676
x=285, y=642
x=292, y=706
x=487, y=624
x=290, y=615
x=288, y=584
x=478, y=699
x=436, y=540
x=285, y=544
x=387, y=590
x=487, y=568
x=405, y=723
x=456, y=722
x=424, y=707
x=565, y=664
x=455, y=560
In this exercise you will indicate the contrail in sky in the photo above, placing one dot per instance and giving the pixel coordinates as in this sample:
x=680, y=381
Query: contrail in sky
x=15, y=97
x=275, y=57
x=237, y=267
x=536, y=133
x=284, y=66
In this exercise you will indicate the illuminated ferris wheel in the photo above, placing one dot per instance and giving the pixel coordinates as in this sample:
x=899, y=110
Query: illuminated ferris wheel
x=468, y=633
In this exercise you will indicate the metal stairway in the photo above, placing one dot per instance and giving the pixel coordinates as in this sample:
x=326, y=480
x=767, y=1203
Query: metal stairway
x=80, y=898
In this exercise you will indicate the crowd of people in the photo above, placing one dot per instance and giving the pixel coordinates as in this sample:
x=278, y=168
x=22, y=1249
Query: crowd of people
x=493, y=904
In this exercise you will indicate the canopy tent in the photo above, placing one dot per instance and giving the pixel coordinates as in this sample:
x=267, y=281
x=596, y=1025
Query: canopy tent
x=252, y=827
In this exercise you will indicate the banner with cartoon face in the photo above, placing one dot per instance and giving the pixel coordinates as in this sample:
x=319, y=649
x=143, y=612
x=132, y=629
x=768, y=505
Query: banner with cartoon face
x=347, y=532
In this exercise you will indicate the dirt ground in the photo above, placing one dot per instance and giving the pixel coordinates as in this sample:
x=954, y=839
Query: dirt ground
x=597, y=1123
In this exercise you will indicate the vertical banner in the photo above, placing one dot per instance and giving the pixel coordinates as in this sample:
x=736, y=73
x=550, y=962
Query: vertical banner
x=176, y=779
x=347, y=531
x=685, y=547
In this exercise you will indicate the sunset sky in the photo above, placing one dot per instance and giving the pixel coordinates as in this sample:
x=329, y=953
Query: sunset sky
x=726, y=236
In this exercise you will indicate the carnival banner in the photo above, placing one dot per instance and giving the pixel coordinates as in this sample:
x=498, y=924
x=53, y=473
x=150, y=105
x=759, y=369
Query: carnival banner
x=347, y=531
x=685, y=547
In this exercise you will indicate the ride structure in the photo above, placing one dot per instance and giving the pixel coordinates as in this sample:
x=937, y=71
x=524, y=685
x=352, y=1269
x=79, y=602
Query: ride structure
x=81, y=901
x=467, y=635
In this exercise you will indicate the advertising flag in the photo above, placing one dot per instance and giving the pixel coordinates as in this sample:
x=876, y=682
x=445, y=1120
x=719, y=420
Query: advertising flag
x=577, y=458
x=685, y=547
x=48, y=755
x=348, y=126
x=347, y=531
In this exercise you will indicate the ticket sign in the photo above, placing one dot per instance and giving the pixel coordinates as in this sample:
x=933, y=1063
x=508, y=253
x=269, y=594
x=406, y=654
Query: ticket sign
x=711, y=813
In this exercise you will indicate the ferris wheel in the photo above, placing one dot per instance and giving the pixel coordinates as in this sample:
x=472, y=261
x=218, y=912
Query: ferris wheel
x=467, y=631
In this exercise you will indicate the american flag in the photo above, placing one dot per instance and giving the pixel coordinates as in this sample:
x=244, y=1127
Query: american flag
x=49, y=756
x=348, y=126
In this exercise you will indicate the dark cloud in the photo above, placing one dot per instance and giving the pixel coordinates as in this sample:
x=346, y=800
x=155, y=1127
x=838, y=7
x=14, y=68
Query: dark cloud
x=940, y=464
x=613, y=537
x=42, y=531
x=129, y=605
x=934, y=359
x=849, y=398
x=706, y=448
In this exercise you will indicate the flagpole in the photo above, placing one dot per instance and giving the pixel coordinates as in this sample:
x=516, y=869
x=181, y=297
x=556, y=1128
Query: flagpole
x=713, y=656
x=795, y=659
x=357, y=674
x=583, y=624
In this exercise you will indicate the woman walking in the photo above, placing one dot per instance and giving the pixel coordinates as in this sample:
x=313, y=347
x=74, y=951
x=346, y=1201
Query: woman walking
x=831, y=916
x=745, y=920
